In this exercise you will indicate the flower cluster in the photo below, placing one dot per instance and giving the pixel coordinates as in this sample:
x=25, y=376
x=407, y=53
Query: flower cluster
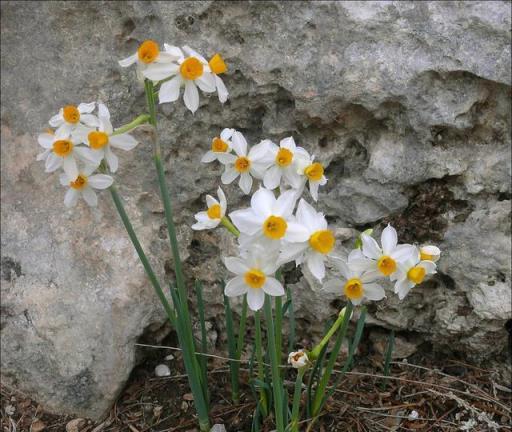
x=277, y=229
x=78, y=145
x=175, y=67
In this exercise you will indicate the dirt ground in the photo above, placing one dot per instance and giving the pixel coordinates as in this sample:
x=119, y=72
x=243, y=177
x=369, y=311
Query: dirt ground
x=425, y=393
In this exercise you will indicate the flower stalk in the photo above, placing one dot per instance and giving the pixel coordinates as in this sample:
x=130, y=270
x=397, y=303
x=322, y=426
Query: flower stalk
x=143, y=118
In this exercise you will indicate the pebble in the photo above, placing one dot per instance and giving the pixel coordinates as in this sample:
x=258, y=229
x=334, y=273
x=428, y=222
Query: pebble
x=162, y=370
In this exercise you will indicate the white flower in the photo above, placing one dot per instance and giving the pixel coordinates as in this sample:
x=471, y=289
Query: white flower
x=245, y=164
x=430, y=253
x=192, y=71
x=221, y=146
x=148, y=54
x=314, y=250
x=254, y=277
x=218, y=66
x=412, y=272
x=83, y=186
x=312, y=171
x=74, y=121
x=284, y=165
x=270, y=219
x=63, y=153
x=298, y=359
x=358, y=285
x=102, y=141
x=216, y=211
x=383, y=261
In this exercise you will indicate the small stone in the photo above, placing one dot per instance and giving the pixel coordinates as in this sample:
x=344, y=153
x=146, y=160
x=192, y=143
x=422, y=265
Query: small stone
x=162, y=370
x=218, y=428
x=157, y=411
x=184, y=406
x=10, y=410
x=76, y=425
x=188, y=397
x=37, y=426
x=169, y=357
x=413, y=415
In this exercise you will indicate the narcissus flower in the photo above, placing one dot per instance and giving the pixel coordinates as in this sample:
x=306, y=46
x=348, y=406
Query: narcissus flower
x=83, y=186
x=383, y=260
x=218, y=66
x=221, y=146
x=430, y=253
x=148, y=54
x=63, y=153
x=284, y=165
x=312, y=172
x=270, y=219
x=254, y=277
x=191, y=71
x=315, y=249
x=216, y=210
x=355, y=285
x=298, y=359
x=74, y=121
x=412, y=272
x=101, y=141
x=245, y=164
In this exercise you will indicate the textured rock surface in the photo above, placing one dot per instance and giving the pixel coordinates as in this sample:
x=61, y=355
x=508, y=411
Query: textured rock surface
x=407, y=103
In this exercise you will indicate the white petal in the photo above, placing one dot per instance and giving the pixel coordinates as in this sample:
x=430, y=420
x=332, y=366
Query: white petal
x=371, y=276
x=239, y=144
x=255, y=298
x=105, y=125
x=174, y=51
x=166, y=57
x=246, y=221
x=208, y=157
x=90, y=196
x=223, y=201
x=53, y=162
x=160, y=71
x=70, y=168
x=206, y=225
x=229, y=175
x=71, y=197
x=103, y=112
x=245, y=183
x=235, y=287
x=285, y=204
x=371, y=248
x=264, y=153
x=222, y=91
x=402, y=288
x=296, y=232
x=123, y=141
x=333, y=286
x=206, y=82
x=170, y=90
x=262, y=202
x=273, y=287
x=313, y=190
x=288, y=143
x=100, y=181
x=226, y=134
x=236, y=265
x=405, y=252
x=316, y=266
x=43, y=155
x=373, y=291
x=128, y=61
x=292, y=251
x=112, y=159
x=361, y=265
x=57, y=119
x=192, y=53
x=429, y=266
x=341, y=265
x=226, y=158
x=388, y=239
x=272, y=177
x=210, y=201
x=307, y=215
x=89, y=120
x=191, y=96
x=86, y=108
x=45, y=140
x=91, y=157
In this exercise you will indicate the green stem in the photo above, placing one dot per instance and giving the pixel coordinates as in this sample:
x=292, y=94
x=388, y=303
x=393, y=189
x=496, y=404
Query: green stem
x=143, y=118
x=294, y=426
x=277, y=387
x=334, y=328
x=259, y=356
x=230, y=227
x=142, y=256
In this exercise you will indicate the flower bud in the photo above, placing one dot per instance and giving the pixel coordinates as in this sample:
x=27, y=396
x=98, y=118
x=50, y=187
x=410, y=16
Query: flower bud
x=430, y=253
x=298, y=359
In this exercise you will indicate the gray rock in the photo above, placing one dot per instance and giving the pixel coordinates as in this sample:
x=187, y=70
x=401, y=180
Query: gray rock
x=408, y=103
